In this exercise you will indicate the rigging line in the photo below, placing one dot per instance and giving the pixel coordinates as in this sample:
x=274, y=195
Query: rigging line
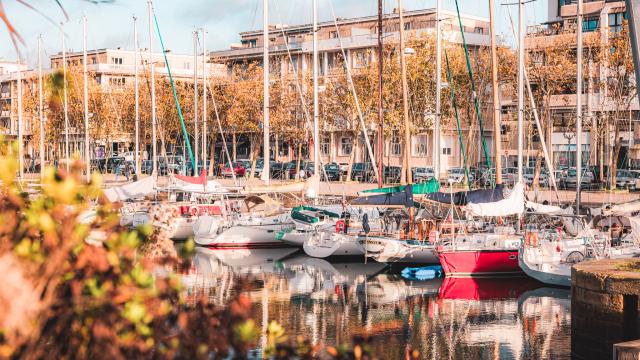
x=455, y=107
x=224, y=140
x=299, y=89
x=355, y=95
x=473, y=91
x=173, y=88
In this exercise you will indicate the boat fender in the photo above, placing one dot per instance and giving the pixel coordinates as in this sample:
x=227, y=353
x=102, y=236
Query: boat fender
x=340, y=226
x=531, y=239
x=193, y=211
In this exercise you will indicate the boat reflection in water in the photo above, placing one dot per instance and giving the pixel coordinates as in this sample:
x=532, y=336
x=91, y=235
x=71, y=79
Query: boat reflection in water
x=330, y=302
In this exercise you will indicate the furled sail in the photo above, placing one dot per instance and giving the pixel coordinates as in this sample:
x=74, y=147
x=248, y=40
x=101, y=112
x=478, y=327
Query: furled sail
x=402, y=198
x=511, y=205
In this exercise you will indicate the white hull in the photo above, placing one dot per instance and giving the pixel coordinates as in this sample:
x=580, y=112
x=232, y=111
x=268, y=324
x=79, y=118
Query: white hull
x=551, y=273
x=294, y=237
x=384, y=249
x=324, y=244
x=248, y=232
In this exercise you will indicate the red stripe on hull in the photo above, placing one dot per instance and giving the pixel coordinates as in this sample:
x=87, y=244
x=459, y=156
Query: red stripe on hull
x=262, y=245
x=479, y=262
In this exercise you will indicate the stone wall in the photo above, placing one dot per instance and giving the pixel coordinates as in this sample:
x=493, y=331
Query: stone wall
x=604, y=306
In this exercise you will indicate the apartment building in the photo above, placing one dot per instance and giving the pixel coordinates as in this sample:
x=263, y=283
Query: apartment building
x=358, y=37
x=9, y=102
x=600, y=20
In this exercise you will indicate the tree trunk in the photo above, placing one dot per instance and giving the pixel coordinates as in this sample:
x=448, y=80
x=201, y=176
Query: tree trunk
x=536, y=174
x=616, y=154
x=255, y=150
x=212, y=160
x=234, y=147
x=298, y=157
x=352, y=157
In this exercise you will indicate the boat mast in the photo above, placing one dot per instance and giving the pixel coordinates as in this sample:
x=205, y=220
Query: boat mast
x=195, y=97
x=497, y=143
x=380, y=115
x=204, y=100
x=405, y=100
x=579, y=108
x=436, y=125
x=153, y=91
x=520, y=87
x=265, y=106
x=40, y=106
x=20, y=125
x=64, y=95
x=316, y=130
x=87, y=158
x=137, y=93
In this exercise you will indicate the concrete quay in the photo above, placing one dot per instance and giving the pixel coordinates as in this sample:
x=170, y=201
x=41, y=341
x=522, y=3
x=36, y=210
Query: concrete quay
x=604, y=308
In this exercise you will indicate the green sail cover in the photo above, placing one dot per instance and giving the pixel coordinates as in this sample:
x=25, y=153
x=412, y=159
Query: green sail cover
x=311, y=214
x=426, y=187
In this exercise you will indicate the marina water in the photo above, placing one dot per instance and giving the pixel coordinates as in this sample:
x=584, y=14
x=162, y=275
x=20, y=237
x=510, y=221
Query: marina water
x=332, y=301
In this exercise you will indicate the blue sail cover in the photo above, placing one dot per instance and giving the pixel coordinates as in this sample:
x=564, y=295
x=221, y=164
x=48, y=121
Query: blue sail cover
x=402, y=198
x=465, y=197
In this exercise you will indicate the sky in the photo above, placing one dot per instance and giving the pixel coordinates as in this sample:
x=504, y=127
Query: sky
x=110, y=22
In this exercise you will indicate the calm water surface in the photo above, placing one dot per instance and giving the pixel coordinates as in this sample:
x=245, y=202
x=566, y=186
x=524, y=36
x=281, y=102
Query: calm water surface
x=332, y=301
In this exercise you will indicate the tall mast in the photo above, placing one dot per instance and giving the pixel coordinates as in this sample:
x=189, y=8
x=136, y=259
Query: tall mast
x=204, y=100
x=65, y=101
x=265, y=107
x=153, y=91
x=40, y=106
x=497, y=143
x=87, y=158
x=137, y=92
x=316, y=131
x=520, y=87
x=579, y=109
x=436, y=125
x=405, y=100
x=380, y=116
x=195, y=97
x=20, y=125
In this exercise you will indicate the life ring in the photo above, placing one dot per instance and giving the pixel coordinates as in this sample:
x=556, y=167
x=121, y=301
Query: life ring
x=340, y=225
x=193, y=211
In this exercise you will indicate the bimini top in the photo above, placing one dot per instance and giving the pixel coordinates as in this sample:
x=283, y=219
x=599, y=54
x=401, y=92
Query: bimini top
x=426, y=187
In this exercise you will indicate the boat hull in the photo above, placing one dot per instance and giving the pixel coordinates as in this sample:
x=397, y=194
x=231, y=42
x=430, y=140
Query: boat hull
x=393, y=250
x=482, y=262
x=324, y=244
x=246, y=236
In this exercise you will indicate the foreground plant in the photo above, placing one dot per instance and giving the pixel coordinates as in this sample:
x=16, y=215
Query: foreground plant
x=75, y=285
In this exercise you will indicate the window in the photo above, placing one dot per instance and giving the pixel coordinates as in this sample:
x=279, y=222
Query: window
x=333, y=34
x=346, y=146
x=293, y=64
x=116, y=60
x=292, y=39
x=478, y=30
x=395, y=148
x=94, y=60
x=616, y=20
x=361, y=59
x=419, y=145
x=446, y=151
x=407, y=26
x=117, y=82
x=590, y=23
x=324, y=145
x=251, y=43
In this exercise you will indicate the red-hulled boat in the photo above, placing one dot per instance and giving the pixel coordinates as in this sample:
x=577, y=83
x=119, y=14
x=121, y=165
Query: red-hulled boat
x=481, y=255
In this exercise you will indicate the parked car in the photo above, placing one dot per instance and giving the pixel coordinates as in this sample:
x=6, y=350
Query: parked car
x=456, y=176
x=392, y=174
x=362, y=172
x=112, y=163
x=277, y=170
x=529, y=173
x=422, y=174
x=146, y=167
x=344, y=168
x=571, y=178
x=122, y=167
x=333, y=171
x=625, y=180
x=238, y=169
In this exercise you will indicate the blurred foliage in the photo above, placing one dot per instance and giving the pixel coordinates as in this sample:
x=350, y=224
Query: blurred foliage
x=77, y=285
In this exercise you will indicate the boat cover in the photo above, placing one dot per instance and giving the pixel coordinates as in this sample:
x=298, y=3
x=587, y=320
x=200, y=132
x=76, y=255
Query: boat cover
x=548, y=209
x=426, y=187
x=511, y=205
x=465, y=197
x=403, y=198
x=137, y=189
x=202, y=179
x=622, y=209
